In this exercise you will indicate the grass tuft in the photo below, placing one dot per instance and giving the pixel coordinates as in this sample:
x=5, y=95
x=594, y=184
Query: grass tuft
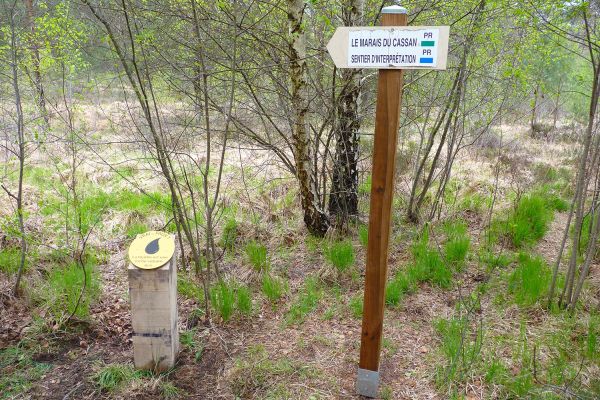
x=457, y=244
x=306, y=302
x=530, y=220
x=113, y=376
x=529, y=281
x=340, y=255
x=273, y=287
x=222, y=298
x=257, y=256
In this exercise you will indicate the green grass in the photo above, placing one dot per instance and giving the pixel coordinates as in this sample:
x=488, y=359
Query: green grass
x=112, y=377
x=273, y=287
x=170, y=391
x=363, y=235
x=222, y=298
x=18, y=371
x=365, y=186
x=306, y=301
x=428, y=265
x=530, y=220
x=188, y=342
x=257, y=256
x=229, y=235
x=60, y=291
x=244, y=300
x=135, y=228
x=530, y=279
x=10, y=259
x=340, y=255
x=227, y=297
x=457, y=244
x=188, y=288
x=460, y=345
x=356, y=306
x=398, y=287
x=258, y=374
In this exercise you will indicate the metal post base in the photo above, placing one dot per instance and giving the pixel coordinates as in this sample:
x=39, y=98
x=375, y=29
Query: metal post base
x=367, y=382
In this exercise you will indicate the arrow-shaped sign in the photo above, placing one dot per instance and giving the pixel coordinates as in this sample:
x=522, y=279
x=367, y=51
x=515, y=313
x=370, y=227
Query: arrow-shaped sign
x=381, y=47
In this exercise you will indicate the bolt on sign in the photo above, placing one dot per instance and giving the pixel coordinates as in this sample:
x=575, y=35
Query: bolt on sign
x=391, y=48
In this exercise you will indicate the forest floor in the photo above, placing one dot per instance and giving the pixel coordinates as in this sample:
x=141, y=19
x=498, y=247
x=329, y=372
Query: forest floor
x=508, y=350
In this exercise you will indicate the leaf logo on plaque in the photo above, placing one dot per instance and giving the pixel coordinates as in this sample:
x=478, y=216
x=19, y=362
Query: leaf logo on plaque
x=151, y=249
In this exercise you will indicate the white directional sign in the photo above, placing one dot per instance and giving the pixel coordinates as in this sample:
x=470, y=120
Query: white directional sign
x=406, y=47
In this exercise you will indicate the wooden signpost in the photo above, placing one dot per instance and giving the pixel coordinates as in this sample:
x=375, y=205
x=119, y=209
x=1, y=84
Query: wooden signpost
x=153, y=297
x=390, y=48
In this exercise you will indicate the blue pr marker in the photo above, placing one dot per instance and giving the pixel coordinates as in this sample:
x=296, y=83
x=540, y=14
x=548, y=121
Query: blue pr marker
x=426, y=60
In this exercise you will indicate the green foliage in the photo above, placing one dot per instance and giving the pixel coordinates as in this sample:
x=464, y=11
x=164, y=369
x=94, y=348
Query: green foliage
x=428, y=265
x=222, y=298
x=306, y=301
x=530, y=220
x=244, y=300
x=363, y=235
x=529, y=281
x=230, y=232
x=10, y=259
x=457, y=244
x=273, y=287
x=111, y=377
x=257, y=256
x=61, y=290
x=340, y=255
x=356, y=306
x=402, y=284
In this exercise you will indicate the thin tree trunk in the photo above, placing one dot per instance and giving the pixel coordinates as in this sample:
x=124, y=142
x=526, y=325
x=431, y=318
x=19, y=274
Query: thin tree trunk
x=37, y=76
x=343, y=198
x=21, y=154
x=315, y=219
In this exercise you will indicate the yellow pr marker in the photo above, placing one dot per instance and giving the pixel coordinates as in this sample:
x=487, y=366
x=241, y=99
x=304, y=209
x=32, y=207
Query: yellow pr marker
x=151, y=249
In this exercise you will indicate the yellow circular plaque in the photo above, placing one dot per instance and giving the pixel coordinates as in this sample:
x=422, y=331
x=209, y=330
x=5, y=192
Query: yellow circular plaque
x=151, y=249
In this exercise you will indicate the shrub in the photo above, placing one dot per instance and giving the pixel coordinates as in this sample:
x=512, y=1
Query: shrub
x=402, y=284
x=457, y=244
x=529, y=281
x=229, y=234
x=530, y=220
x=340, y=255
x=306, y=302
x=273, y=287
x=257, y=256
x=222, y=297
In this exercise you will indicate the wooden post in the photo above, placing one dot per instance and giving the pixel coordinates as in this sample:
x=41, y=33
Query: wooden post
x=153, y=297
x=387, y=116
